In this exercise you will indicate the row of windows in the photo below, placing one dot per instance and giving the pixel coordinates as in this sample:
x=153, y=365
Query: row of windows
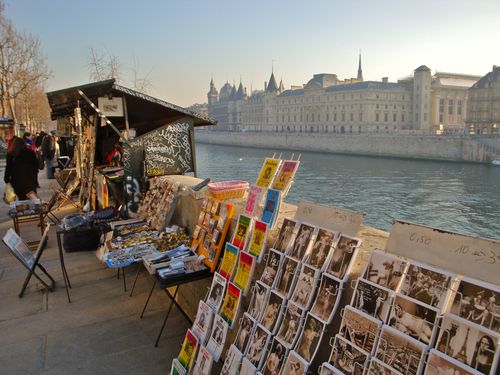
x=342, y=117
x=450, y=106
x=329, y=98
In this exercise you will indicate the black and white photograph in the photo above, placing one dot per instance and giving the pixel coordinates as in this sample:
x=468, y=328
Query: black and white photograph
x=286, y=279
x=372, y=299
x=468, y=343
x=232, y=363
x=478, y=302
x=380, y=368
x=320, y=249
x=217, y=337
x=441, y=364
x=327, y=298
x=328, y=369
x=285, y=236
x=275, y=358
x=270, y=273
x=305, y=287
x=294, y=365
x=247, y=367
x=342, y=256
x=428, y=285
x=204, y=361
x=257, y=302
x=273, y=311
x=291, y=324
x=414, y=319
x=400, y=351
x=258, y=345
x=385, y=270
x=203, y=321
x=245, y=331
x=360, y=328
x=298, y=249
x=347, y=357
x=217, y=290
x=310, y=337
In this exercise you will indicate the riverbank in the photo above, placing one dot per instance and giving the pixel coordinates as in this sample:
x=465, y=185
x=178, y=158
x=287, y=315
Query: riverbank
x=477, y=149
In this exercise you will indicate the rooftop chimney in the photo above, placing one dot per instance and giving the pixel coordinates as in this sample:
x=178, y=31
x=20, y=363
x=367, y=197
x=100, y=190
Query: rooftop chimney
x=385, y=79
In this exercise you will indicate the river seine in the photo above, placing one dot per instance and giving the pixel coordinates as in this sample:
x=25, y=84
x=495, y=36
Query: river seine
x=459, y=197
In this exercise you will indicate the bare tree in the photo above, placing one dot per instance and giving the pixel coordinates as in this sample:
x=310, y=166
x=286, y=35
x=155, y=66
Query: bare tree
x=142, y=84
x=103, y=65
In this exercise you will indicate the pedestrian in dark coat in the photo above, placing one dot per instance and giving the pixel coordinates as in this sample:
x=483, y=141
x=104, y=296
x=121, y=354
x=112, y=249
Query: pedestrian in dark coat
x=21, y=169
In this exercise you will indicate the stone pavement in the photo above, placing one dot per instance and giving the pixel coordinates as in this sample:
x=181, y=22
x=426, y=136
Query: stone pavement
x=99, y=332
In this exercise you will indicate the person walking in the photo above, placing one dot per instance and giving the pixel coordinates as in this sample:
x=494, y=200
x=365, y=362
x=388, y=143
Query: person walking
x=48, y=152
x=21, y=170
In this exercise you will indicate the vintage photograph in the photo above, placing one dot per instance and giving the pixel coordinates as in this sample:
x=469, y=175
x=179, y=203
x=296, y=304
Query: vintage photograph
x=217, y=337
x=328, y=295
x=347, y=357
x=400, y=351
x=258, y=344
x=479, y=303
x=468, y=344
x=294, y=365
x=327, y=369
x=275, y=358
x=270, y=273
x=377, y=367
x=301, y=242
x=428, y=285
x=203, y=364
x=342, y=255
x=273, y=311
x=372, y=299
x=290, y=325
x=245, y=331
x=309, y=339
x=285, y=236
x=305, y=287
x=414, y=319
x=359, y=328
x=217, y=290
x=232, y=363
x=258, y=300
x=286, y=279
x=385, y=270
x=320, y=249
x=203, y=321
x=247, y=368
x=440, y=364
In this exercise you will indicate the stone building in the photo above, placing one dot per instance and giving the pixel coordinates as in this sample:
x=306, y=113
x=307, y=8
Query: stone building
x=420, y=104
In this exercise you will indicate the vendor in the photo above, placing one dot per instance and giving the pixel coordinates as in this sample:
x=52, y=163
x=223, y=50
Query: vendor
x=115, y=156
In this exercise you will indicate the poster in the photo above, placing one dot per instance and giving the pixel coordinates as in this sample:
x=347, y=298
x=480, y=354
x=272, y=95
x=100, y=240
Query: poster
x=258, y=239
x=271, y=207
x=267, y=172
x=285, y=175
x=255, y=195
x=244, y=271
x=229, y=261
x=242, y=232
x=229, y=309
x=188, y=350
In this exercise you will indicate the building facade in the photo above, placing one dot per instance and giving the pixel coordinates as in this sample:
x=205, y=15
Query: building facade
x=422, y=103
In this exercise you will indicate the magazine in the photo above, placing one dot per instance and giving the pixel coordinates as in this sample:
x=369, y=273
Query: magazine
x=258, y=239
x=188, y=350
x=242, y=232
x=217, y=337
x=203, y=321
x=285, y=175
x=271, y=207
x=229, y=261
x=267, y=172
x=244, y=271
x=255, y=195
x=229, y=308
x=204, y=361
x=217, y=290
x=232, y=363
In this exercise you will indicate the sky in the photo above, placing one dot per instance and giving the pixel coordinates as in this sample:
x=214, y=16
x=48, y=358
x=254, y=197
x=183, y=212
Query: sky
x=180, y=45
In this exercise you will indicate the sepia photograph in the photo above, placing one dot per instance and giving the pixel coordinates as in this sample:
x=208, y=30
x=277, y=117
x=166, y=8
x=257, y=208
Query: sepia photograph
x=273, y=311
x=247, y=367
x=385, y=270
x=327, y=298
x=328, y=369
x=290, y=325
x=217, y=337
x=270, y=273
x=275, y=358
x=400, y=351
x=285, y=235
x=342, y=256
x=258, y=300
x=286, y=278
x=247, y=325
x=468, y=343
x=372, y=299
x=441, y=364
x=428, y=285
x=359, y=328
x=298, y=249
x=217, y=290
x=310, y=338
x=320, y=249
x=377, y=367
x=478, y=303
x=347, y=357
x=232, y=363
x=294, y=365
x=305, y=287
x=414, y=319
x=258, y=345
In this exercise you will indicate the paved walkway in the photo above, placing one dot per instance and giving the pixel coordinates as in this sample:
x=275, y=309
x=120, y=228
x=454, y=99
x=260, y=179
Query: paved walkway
x=98, y=333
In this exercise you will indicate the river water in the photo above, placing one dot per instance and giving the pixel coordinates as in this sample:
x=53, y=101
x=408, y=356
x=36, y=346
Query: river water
x=460, y=197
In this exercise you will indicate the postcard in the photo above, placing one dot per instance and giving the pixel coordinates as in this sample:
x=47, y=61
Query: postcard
x=177, y=368
x=258, y=345
x=204, y=361
x=188, y=350
x=275, y=358
x=273, y=311
x=271, y=207
x=298, y=249
x=247, y=368
x=242, y=232
x=291, y=324
x=294, y=364
x=285, y=175
x=217, y=291
x=206, y=219
x=385, y=270
x=347, y=357
x=310, y=338
x=229, y=261
x=328, y=369
x=217, y=337
x=232, y=363
x=399, y=351
x=258, y=239
x=318, y=254
x=377, y=367
x=267, y=172
x=247, y=326
x=201, y=218
x=285, y=236
x=439, y=363
x=231, y=304
x=342, y=256
x=270, y=274
x=372, y=299
x=286, y=278
x=258, y=300
x=203, y=321
x=196, y=232
x=244, y=271
x=360, y=328
x=255, y=195
x=215, y=208
x=305, y=288
x=327, y=298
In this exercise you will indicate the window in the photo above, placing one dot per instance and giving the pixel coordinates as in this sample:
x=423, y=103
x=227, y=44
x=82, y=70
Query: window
x=352, y=117
x=440, y=118
x=360, y=117
x=450, y=106
x=343, y=117
x=327, y=117
x=386, y=117
x=402, y=117
x=425, y=116
x=459, y=107
x=441, y=105
x=376, y=106
x=394, y=117
x=376, y=117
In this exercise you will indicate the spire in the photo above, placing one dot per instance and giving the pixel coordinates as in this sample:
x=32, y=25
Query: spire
x=281, y=88
x=272, y=86
x=360, y=71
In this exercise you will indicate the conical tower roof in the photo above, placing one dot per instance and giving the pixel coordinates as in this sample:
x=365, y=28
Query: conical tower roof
x=272, y=86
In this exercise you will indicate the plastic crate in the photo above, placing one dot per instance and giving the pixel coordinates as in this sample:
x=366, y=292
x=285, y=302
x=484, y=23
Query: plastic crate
x=228, y=189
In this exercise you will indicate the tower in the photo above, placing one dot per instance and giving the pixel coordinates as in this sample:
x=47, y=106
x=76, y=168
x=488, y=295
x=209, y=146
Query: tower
x=212, y=95
x=421, y=98
x=360, y=71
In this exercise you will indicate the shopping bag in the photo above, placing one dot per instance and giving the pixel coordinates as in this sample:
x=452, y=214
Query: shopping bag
x=9, y=195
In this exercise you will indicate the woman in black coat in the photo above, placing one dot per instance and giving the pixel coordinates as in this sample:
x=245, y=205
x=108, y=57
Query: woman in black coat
x=21, y=169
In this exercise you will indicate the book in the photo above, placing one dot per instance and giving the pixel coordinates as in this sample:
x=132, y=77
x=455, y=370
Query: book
x=217, y=290
x=229, y=308
x=267, y=172
x=244, y=271
x=255, y=195
x=271, y=207
x=258, y=240
x=188, y=350
x=204, y=361
x=232, y=363
x=242, y=232
x=217, y=337
x=229, y=261
x=285, y=175
x=203, y=321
